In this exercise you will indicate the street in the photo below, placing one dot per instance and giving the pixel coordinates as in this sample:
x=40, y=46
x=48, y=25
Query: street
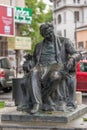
x=8, y=97
x=5, y=96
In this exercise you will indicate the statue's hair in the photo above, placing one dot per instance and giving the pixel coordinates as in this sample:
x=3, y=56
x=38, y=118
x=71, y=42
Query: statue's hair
x=45, y=26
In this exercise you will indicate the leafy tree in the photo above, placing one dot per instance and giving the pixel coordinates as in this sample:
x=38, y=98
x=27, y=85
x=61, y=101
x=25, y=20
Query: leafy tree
x=38, y=17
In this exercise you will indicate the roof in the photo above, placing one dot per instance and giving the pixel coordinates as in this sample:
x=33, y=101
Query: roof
x=82, y=27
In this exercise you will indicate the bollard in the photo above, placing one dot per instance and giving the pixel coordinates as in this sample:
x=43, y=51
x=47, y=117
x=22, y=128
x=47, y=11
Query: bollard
x=79, y=97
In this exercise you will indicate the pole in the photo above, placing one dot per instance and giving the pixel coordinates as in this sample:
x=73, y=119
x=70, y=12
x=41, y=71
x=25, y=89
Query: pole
x=16, y=63
x=75, y=31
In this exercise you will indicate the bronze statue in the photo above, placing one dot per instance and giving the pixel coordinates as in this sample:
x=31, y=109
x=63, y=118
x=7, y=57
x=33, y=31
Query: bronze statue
x=50, y=82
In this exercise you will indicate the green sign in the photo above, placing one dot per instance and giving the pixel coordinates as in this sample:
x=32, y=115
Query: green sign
x=23, y=15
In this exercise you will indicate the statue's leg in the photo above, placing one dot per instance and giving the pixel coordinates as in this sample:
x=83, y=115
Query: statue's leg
x=53, y=78
x=35, y=89
x=52, y=87
x=61, y=94
x=47, y=97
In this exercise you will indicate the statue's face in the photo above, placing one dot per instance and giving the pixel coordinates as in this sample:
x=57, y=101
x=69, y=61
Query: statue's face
x=49, y=34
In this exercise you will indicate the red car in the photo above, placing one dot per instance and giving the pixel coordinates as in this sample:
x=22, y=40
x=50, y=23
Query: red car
x=81, y=76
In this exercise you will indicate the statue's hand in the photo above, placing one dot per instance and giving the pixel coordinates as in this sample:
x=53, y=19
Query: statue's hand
x=70, y=63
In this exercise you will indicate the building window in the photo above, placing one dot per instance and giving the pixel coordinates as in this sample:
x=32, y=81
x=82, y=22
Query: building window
x=86, y=45
x=64, y=1
x=76, y=16
x=0, y=37
x=64, y=32
x=64, y=17
x=78, y=1
x=59, y=19
x=80, y=45
x=59, y=33
x=58, y=2
x=74, y=1
x=12, y=2
x=54, y=4
x=85, y=2
x=54, y=20
x=3, y=49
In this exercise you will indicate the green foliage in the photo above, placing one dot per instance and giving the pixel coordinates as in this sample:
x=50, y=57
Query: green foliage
x=2, y=104
x=38, y=17
x=84, y=119
x=48, y=17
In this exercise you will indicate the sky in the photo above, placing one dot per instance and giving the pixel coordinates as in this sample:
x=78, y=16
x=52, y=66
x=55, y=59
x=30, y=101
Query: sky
x=47, y=2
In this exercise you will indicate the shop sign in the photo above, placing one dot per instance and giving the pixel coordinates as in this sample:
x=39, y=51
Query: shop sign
x=19, y=43
x=7, y=21
x=22, y=43
x=23, y=15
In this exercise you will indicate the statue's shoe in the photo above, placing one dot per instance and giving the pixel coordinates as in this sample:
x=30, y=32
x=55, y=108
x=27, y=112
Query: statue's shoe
x=35, y=109
x=22, y=108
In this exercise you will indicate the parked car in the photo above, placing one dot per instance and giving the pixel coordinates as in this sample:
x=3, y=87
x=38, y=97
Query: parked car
x=81, y=76
x=6, y=74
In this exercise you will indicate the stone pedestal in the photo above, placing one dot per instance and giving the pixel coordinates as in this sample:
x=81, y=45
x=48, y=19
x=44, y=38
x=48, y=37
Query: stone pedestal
x=14, y=120
x=54, y=116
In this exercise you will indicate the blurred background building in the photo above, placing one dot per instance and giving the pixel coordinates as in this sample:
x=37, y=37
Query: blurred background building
x=3, y=39
x=68, y=15
x=82, y=37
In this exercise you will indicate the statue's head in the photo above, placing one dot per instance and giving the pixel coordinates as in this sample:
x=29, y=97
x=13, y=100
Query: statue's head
x=47, y=30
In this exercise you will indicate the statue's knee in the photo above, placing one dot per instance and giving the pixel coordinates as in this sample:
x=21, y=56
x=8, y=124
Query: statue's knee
x=55, y=75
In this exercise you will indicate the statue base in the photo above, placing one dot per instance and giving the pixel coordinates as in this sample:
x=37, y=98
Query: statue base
x=12, y=119
x=47, y=116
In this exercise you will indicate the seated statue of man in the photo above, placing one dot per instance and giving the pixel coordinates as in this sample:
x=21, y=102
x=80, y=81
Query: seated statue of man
x=52, y=60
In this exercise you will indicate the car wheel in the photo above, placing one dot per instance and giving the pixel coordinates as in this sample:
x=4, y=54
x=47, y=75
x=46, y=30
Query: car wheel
x=6, y=90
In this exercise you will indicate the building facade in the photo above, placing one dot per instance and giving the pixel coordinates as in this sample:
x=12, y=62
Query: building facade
x=82, y=38
x=3, y=39
x=68, y=15
x=20, y=3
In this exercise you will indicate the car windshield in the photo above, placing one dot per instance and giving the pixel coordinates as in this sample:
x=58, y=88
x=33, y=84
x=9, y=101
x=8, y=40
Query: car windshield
x=83, y=66
x=4, y=63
